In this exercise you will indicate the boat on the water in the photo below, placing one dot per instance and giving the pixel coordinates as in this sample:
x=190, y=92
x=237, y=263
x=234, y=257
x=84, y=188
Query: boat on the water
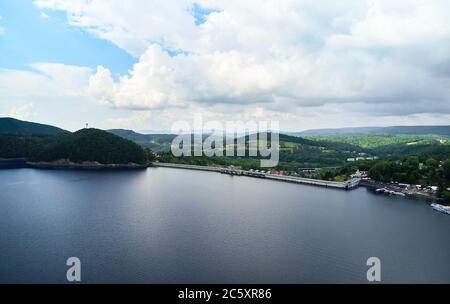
x=441, y=208
x=390, y=192
x=399, y=193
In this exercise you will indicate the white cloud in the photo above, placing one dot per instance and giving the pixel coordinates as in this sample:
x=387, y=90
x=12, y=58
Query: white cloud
x=307, y=63
x=2, y=29
x=66, y=79
x=130, y=24
x=388, y=25
x=22, y=112
x=134, y=121
x=58, y=94
x=270, y=54
x=47, y=80
x=44, y=15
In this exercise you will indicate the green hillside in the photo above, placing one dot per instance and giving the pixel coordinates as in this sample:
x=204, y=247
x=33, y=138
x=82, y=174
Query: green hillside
x=155, y=142
x=19, y=139
x=295, y=152
x=94, y=145
x=395, y=130
x=23, y=146
x=15, y=126
x=369, y=141
x=84, y=145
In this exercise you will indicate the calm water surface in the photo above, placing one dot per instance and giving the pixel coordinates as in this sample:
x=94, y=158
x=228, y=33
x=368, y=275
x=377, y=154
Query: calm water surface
x=178, y=226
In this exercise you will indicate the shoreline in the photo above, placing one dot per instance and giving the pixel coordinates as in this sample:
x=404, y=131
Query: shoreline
x=67, y=165
x=312, y=182
x=84, y=166
x=347, y=185
x=416, y=195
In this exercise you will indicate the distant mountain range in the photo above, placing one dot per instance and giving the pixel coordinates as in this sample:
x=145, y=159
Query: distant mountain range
x=16, y=127
x=395, y=130
x=155, y=142
x=20, y=139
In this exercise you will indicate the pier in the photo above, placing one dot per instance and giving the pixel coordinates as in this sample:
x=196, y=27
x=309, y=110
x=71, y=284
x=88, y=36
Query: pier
x=347, y=185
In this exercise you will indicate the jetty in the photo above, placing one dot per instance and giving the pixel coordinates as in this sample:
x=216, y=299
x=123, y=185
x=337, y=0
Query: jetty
x=346, y=185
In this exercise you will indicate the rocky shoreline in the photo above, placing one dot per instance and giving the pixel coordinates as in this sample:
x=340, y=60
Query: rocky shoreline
x=371, y=184
x=13, y=163
x=65, y=164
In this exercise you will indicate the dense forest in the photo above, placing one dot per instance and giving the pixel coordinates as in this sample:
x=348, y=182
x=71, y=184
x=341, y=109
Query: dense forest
x=395, y=130
x=295, y=152
x=84, y=145
x=408, y=159
x=418, y=170
x=155, y=142
x=23, y=146
x=93, y=145
x=19, y=127
x=377, y=141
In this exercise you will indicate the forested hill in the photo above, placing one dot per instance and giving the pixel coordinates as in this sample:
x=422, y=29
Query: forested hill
x=85, y=145
x=19, y=139
x=94, y=145
x=19, y=127
x=155, y=142
x=396, y=130
x=333, y=145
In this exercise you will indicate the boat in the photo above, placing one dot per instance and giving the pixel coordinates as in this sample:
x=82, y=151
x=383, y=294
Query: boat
x=390, y=192
x=441, y=208
x=399, y=193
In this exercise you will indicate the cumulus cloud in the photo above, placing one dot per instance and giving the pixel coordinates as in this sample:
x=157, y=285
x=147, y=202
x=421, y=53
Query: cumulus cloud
x=45, y=80
x=134, y=120
x=271, y=54
x=48, y=92
x=131, y=25
x=65, y=79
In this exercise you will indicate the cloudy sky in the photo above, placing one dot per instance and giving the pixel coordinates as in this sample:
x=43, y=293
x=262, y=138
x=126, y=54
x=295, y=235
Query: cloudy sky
x=143, y=64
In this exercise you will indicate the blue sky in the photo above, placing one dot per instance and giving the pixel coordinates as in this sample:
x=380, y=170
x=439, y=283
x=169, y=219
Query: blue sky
x=29, y=38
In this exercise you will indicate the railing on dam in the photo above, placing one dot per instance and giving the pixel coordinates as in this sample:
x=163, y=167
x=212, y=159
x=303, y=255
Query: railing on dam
x=189, y=167
x=350, y=184
x=347, y=185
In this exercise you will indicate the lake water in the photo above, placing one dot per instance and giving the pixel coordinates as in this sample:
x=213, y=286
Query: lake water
x=177, y=226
